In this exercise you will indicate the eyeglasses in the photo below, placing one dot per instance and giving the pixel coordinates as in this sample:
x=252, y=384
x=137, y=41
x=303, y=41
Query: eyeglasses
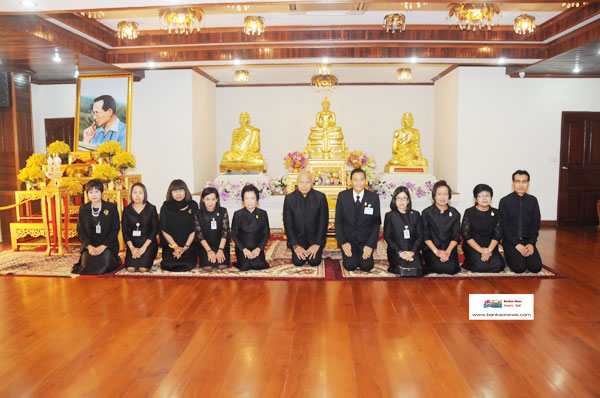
x=484, y=195
x=402, y=199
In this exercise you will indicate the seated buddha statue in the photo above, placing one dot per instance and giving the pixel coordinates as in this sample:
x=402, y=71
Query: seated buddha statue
x=406, y=147
x=244, y=155
x=326, y=140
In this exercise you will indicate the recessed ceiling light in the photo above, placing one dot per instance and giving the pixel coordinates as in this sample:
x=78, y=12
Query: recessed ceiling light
x=28, y=3
x=576, y=69
x=237, y=62
x=501, y=60
x=324, y=60
x=56, y=57
x=151, y=64
x=414, y=60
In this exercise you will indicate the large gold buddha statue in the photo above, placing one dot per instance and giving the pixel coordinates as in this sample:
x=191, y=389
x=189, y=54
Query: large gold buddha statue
x=326, y=140
x=244, y=155
x=406, y=149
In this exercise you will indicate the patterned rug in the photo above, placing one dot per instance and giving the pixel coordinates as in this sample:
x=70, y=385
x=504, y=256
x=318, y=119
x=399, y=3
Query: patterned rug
x=380, y=272
x=36, y=263
x=280, y=251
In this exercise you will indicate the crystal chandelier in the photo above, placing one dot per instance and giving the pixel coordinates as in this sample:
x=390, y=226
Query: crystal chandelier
x=254, y=25
x=394, y=22
x=127, y=30
x=409, y=5
x=473, y=15
x=524, y=24
x=92, y=14
x=404, y=74
x=181, y=20
x=324, y=80
x=575, y=4
x=241, y=76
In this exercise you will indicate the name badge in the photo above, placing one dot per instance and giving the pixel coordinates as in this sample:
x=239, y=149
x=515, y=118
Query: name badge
x=369, y=211
x=213, y=224
x=406, y=233
x=136, y=233
x=98, y=229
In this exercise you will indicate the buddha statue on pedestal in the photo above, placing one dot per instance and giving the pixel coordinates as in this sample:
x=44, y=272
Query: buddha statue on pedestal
x=244, y=155
x=406, y=149
x=326, y=140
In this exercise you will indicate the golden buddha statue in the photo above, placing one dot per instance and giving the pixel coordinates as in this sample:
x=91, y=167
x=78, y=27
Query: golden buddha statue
x=244, y=155
x=406, y=149
x=326, y=140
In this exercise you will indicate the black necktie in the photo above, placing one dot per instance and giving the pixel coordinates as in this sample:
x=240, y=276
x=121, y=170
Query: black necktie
x=357, y=206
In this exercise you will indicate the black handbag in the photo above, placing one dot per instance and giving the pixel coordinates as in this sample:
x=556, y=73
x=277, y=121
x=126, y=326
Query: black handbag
x=410, y=272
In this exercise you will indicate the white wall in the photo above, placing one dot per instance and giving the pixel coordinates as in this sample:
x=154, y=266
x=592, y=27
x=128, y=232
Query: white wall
x=446, y=128
x=204, y=129
x=48, y=102
x=368, y=116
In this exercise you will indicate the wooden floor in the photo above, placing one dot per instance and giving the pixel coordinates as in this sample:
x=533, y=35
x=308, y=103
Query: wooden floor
x=200, y=338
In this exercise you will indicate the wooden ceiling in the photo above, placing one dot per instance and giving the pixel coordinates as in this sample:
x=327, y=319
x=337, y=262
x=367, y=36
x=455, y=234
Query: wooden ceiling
x=29, y=41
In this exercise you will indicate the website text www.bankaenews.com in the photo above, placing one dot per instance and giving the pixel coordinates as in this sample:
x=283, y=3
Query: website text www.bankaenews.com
x=502, y=315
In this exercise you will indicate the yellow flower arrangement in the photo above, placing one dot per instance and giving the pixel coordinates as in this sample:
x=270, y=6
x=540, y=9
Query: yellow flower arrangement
x=105, y=173
x=123, y=160
x=37, y=160
x=31, y=175
x=109, y=148
x=73, y=187
x=58, y=147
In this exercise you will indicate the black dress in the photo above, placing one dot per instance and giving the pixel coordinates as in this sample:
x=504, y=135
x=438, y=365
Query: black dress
x=404, y=232
x=177, y=219
x=250, y=230
x=138, y=228
x=212, y=226
x=441, y=228
x=483, y=227
x=100, y=230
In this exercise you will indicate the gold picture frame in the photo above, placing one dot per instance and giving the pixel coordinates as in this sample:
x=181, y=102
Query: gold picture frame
x=93, y=118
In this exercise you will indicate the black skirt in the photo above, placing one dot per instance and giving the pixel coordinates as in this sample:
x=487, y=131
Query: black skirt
x=146, y=261
x=96, y=265
x=187, y=262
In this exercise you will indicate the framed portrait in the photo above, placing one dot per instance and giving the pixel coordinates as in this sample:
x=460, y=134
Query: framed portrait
x=103, y=111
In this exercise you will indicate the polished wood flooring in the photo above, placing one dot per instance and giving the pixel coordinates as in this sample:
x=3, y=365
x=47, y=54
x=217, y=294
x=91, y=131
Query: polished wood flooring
x=114, y=337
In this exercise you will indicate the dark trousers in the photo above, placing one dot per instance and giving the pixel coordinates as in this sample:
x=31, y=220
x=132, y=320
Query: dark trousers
x=247, y=264
x=356, y=261
x=434, y=265
x=473, y=260
x=397, y=263
x=305, y=244
x=519, y=264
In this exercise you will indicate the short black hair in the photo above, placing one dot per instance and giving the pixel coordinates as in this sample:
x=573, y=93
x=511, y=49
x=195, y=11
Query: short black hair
x=250, y=188
x=438, y=185
x=178, y=184
x=482, y=188
x=99, y=185
x=109, y=103
x=397, y=192
x=521, y=172
x=358, y=170
x=139, y=184
x=208, y=191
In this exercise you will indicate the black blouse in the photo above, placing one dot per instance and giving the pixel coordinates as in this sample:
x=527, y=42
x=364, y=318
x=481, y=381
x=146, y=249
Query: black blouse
x=177, y=223
x=146, y=222
x=203, y=221
x=483, y=226
x=108, y=220
x=396, y=223
x=441, y=227
x=527, y=206
x=250, y=230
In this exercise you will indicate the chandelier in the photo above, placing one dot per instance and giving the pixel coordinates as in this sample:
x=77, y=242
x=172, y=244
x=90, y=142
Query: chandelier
x=92, y=14
x=575, y=4
x=409, y=5
x=324, y=80
x=181, y=20
x=404, y=74
x=394, y=22
x=254, y=25
x=524, y=24
x=127, y=30
x=474, y=15
x=241, y=76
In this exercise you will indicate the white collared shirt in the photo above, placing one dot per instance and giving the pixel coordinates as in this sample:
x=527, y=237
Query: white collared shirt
x=360, y=195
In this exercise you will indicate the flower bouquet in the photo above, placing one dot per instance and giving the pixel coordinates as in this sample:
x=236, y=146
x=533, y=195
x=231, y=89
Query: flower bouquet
x=37, y=160
x=123, y=161
x=279, y=185
x=109, y=149
x=360, y=160
x=385, y=189
x=294, y=161
x=60, y=148
x=105, y=173
x=32, y=176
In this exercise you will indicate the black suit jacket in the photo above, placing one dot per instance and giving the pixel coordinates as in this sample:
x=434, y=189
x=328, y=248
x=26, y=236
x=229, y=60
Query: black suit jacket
x=305, y=216
x=357, y=229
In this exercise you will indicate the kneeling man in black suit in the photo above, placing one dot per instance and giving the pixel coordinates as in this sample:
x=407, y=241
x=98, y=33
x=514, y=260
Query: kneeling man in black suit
x=357, y=221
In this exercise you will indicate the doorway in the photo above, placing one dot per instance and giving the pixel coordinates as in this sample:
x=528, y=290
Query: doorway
x=61, y=129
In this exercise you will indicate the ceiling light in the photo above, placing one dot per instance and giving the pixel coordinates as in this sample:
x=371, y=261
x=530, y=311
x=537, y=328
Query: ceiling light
x=524, y=24
x=238, y=7
x=28, y=3
x=576, y=69
x=414, y=60
x=181, y=20
x=254, y=25
x=127, y=30
x=237, y=62
x=151, y=64
x=404, y=74
x=56, y=58
x=394, y=22
x=501, y=60
x=92, y=14
x=324, y=80
x=409, y=5
x=471, y=16
x=574, y=4
x=241, y=76
x=324, y=60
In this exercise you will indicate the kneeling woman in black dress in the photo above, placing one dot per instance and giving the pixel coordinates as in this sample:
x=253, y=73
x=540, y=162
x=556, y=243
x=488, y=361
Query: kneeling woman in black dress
x=139, y=227
x=250, y=232
x=403, y=233
x=482, y=230
x=178, y=231
x=98, y=228
x=212, y=231
x=441, y=226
